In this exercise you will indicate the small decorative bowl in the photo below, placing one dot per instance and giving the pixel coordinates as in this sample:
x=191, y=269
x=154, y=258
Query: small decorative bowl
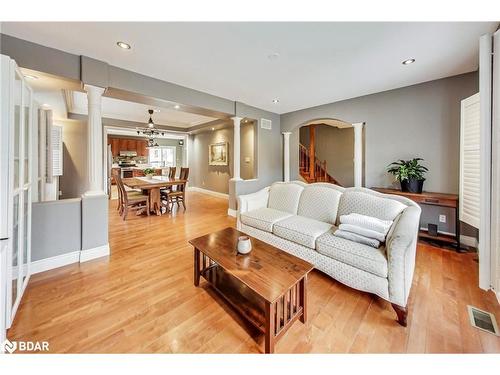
x=244, y=245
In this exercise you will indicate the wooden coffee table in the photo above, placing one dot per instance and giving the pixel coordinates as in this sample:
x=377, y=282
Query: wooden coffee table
x=267, y=286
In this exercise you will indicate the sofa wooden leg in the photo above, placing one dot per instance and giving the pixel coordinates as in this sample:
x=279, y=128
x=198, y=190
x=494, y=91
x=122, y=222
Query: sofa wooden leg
x=402, y=313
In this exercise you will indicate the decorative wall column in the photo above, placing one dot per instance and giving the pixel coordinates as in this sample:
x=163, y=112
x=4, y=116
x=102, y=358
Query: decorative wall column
x=358, y=154
x=236, y=149
x=312, y=152
x=95, y=159
x=286, y=156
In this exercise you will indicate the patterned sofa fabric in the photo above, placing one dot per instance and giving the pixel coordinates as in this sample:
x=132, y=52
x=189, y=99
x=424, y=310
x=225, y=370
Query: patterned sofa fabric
x=370, y=205
x=361, y=256
x=319, y=202
x=301, y=230
x=285, y=197
x=263, y=218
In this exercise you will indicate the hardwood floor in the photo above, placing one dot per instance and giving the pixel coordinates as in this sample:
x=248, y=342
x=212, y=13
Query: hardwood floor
x=142, y=300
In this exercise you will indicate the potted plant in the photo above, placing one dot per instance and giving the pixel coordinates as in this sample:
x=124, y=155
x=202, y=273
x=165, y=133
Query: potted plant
x=149, y=172
x=409, y=173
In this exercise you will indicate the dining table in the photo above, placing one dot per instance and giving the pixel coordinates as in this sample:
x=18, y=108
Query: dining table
x=152, y=186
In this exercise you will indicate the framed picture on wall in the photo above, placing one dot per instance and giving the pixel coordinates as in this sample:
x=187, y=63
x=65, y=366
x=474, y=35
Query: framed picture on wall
x=217, y=153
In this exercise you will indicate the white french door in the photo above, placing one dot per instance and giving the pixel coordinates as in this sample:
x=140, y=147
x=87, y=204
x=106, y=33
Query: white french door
x=20, y=189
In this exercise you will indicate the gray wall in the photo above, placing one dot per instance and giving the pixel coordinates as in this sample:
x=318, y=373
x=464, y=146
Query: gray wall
x=56, y=228
x=421, y=120
x=247, y=151
x=73, y=182
x=336, y=146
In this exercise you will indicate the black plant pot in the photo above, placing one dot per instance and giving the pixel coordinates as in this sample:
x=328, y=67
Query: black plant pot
x=412, y=186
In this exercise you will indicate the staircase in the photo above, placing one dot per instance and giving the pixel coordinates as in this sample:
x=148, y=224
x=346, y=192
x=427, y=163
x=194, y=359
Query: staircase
x=319, y=173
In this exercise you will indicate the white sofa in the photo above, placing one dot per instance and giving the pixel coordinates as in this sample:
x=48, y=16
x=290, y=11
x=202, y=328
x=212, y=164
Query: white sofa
x=301, y=218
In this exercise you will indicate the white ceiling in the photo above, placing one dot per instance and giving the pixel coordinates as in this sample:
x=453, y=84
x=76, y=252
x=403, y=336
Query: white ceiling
x=318, y=62
x=131, y=111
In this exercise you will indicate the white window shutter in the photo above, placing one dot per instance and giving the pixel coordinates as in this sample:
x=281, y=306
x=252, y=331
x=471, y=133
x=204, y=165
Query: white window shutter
x=57, y=150
x=470, y=161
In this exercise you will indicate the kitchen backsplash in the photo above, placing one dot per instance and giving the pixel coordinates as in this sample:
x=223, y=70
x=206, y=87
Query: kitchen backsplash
x=128, y=159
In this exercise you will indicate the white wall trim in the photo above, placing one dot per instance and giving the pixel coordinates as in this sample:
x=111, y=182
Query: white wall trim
x=209, y=192
x=465, y=240
x=232, y=212
x=47, y=264
x=96, y=252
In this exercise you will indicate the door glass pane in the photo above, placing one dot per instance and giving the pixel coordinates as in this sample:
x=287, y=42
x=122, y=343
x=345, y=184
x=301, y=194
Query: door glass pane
x=15, y=248
x=27, y=133
x=26, y=232
x=17, y=128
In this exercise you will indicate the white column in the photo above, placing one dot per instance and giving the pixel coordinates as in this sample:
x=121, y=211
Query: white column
x=236, y=149
x=286, y=156
x=358, y=154
x=95, y=159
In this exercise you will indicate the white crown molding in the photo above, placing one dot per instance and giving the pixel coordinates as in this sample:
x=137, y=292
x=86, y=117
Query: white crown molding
x=232, y=212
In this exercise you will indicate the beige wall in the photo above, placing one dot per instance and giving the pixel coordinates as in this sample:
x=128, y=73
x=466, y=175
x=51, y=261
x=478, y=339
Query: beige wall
x=215, y=178
x=73, y=182
x=247, y=160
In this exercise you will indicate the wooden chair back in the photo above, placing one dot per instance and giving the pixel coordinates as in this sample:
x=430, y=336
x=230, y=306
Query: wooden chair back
x=184, y=174
x=121, y=187
x=171, y=172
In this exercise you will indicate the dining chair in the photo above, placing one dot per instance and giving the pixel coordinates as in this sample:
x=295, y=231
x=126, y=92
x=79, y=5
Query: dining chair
x=178, y=193
x=171, y=172
x=133, y=200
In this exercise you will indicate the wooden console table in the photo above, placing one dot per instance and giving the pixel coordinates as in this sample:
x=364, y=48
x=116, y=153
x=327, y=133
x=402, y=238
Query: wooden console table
x=433, y=199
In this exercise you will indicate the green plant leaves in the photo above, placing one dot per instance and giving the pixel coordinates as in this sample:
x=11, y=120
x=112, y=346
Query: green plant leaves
x=404, y=170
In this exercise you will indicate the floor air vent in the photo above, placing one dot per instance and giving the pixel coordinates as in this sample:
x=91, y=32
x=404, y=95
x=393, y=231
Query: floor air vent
x=483, y=320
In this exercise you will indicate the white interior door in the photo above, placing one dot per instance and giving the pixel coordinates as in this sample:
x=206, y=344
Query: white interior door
x=20, y=176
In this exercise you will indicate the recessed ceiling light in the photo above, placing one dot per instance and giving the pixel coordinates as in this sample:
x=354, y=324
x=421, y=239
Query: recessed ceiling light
x=276, y=101
x=273, y=56
x=408, y=62
x=29, y=76
x=123, y=45
x=156, y=110
x=177, y=106
x=213, y=129
x=45, y=105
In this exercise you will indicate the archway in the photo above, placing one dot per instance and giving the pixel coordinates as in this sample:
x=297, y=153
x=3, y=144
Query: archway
x=314, y=169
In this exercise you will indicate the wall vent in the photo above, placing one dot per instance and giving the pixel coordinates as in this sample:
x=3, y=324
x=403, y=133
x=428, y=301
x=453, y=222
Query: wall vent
x=482, y=320
x=266, y=124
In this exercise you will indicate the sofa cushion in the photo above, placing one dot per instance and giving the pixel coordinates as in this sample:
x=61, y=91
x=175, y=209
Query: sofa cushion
x=285, y=197
x=354, y=254
x=319, y=203
x=370, y=205
x=263, y=218
x=301, y=230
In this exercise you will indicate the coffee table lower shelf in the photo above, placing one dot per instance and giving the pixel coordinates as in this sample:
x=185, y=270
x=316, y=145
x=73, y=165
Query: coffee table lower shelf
x=273, y=318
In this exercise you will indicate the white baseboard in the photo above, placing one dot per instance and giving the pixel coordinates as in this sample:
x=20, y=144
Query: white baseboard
x=209, y=192
x=46, y=264
x=498, y=297
x=96, y=252
x=232, y=212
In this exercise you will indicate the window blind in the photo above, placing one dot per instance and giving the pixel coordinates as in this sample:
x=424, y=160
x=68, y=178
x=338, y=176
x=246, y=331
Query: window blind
x=470, y=161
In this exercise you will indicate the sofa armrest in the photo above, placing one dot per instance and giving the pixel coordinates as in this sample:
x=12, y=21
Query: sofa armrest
x=401, y=248
x=253, y=201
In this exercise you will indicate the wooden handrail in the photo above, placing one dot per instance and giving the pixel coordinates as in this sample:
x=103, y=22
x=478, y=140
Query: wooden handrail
x=320, y=168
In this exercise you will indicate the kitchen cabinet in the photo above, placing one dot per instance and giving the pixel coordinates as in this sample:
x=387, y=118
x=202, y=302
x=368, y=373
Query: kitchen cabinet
x=138, y=173
x=128, y=144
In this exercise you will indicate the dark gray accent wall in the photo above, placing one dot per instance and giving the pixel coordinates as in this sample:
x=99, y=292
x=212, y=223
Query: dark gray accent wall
x=37, y=57
x=56, y=228
x=416, y=121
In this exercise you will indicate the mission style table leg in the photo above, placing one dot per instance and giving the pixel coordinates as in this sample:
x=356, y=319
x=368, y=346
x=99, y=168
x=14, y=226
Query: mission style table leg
x=196, y=267
x=270, y=328
x=303, y=298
